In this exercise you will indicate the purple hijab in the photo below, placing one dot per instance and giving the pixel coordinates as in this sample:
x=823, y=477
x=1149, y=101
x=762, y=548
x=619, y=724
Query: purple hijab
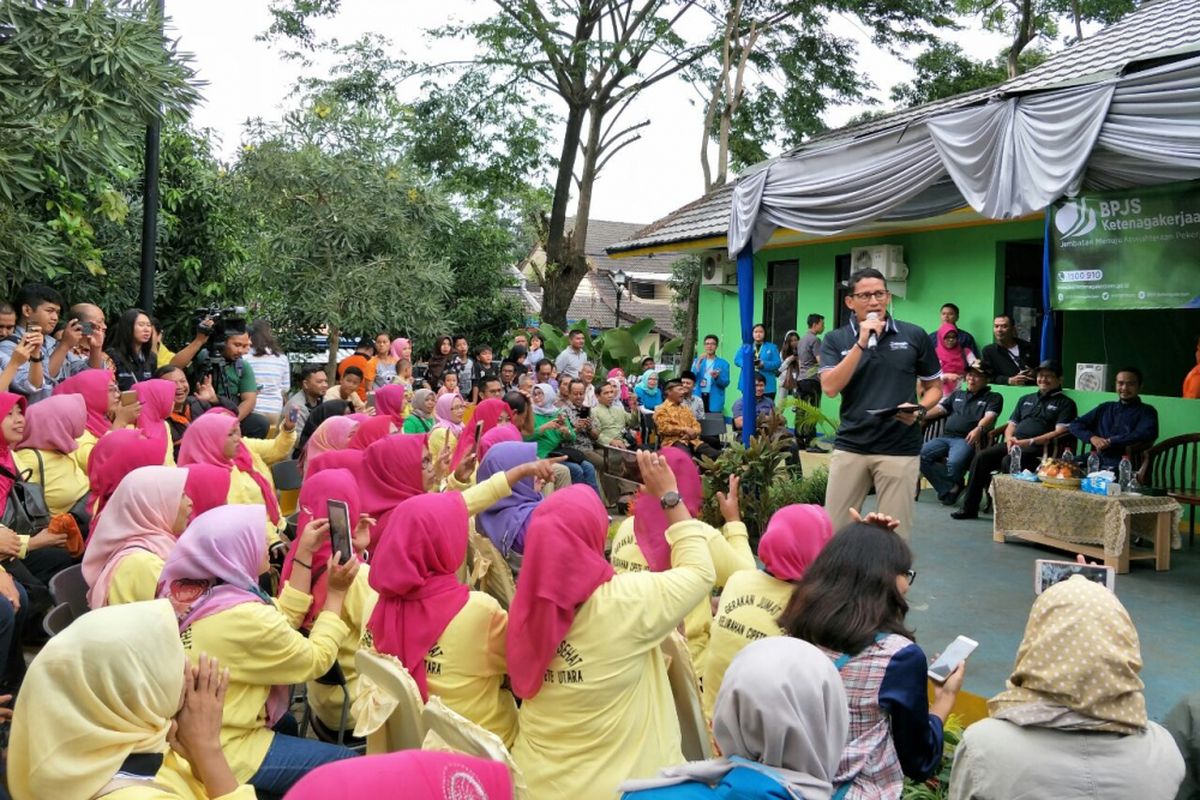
x=505, y=522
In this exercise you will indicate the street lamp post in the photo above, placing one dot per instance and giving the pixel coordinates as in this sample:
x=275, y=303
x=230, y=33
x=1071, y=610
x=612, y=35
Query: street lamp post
x=619, y=279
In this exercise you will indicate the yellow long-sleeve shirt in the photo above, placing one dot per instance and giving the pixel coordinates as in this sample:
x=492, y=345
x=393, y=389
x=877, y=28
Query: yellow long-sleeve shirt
x=135, y=578
x=730, y=553
x=172, y=784
x=467, y=667
x=604, y=712
x=87, y=443
x=750, y=605
x=326, y=701
x=261, y=647
x=264, y=453
x=63, y=481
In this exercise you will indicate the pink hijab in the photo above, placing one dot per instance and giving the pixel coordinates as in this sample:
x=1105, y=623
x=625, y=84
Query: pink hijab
x=441, y=412
x=390, y=474
x=208, y=486
x=332, y=434
x=650, y=521
x=413, y=570
x=55, y=424
x=7, y=401
x=616, y=376
x=204, y=443
x=501, y=433
x=488, y=412
x=567, y=529
x=116, y=455
x=157, y=397
x=318, y=490
x=397, y=351
x=93, y=385
x=389, y=400
x=953, y=359
x=372, y=430
x=424, y=774
x=793, y=539
x=335, y=459
x=139, y=516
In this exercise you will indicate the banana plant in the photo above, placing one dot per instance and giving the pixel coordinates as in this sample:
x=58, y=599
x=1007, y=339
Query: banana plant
x=611, y=348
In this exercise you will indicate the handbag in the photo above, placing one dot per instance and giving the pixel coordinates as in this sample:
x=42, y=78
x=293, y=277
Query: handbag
x=573, y=455
x=81, y=510
x=26, y=512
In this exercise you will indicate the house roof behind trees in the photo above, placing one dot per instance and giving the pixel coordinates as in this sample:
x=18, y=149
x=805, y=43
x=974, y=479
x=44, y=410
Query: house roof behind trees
x=1158, y=30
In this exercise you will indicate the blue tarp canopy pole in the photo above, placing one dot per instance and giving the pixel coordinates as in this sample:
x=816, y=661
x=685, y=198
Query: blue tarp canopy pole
x=745, y=282
x=1047, y=312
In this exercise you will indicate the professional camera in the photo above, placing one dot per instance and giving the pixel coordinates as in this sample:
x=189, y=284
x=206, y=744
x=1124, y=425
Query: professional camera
x=219, y=324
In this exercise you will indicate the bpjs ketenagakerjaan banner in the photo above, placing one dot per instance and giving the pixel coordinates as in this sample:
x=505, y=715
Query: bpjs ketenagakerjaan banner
x=1123, y=250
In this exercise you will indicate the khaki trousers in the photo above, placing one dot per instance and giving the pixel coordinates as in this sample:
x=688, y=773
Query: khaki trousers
x=851, y=476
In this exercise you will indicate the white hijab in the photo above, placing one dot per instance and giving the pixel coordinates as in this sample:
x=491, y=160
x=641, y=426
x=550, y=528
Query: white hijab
x=781, y=710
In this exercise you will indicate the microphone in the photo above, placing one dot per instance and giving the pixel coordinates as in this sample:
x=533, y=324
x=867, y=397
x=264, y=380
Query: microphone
x=872, y=340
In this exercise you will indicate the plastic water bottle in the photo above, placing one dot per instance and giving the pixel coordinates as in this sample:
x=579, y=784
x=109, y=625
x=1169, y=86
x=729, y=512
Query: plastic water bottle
x=1125, y=473
x=1093, y=462
x=1014, y=455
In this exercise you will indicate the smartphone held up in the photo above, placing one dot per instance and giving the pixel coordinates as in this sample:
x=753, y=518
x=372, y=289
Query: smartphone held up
x=339, y=529
x=950, y=658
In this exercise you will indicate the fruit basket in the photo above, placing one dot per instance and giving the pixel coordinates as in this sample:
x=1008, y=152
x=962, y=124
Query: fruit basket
x=1059, y=474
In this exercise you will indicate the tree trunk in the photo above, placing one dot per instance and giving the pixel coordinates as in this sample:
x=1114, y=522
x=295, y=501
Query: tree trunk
x=556, y=238
x=564, y=273
x=1075, y=12
x=690, y=334
x=1023, y=36
x=331, y=359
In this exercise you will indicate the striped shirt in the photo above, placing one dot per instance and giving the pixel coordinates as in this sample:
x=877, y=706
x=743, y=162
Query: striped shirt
x=273, y=374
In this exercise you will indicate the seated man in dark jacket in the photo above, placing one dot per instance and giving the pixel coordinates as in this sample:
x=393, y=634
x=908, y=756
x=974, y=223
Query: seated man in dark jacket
x=971, y=413
x=1037, y=421
x=1009, y=359
x=1113, y=428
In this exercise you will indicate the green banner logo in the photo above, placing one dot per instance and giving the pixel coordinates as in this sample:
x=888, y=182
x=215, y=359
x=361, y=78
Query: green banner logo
x=1138, y=248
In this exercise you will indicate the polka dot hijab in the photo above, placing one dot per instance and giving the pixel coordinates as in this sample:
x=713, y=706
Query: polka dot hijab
x=1077, y=666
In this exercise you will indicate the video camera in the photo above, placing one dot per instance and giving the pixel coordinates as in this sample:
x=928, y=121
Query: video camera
x=219, y=324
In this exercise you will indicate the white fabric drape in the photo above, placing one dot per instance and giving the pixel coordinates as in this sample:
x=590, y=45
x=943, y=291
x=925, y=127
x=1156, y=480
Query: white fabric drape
x=1016, y=156
x=1007, y=158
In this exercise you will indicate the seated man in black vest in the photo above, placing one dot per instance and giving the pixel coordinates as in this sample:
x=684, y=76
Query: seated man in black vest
x=1037, y=420
x=971, y=414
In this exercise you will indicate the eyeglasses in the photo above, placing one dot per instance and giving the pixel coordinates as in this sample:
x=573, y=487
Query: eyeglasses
x=911, y=575
x=880, y=294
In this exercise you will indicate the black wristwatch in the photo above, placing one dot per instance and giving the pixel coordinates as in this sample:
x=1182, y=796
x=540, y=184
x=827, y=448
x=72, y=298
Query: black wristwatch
x=921, y=412
x=670, y=500
x=37, y=360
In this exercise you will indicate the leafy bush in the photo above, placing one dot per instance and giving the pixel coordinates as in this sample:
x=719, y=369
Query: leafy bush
x=938, y=787
x=762, y=465
x=614, y=347
x=809, y=489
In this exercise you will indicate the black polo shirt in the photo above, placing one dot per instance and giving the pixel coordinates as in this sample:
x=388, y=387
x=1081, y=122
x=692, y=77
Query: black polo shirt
x=1037, y=414
x=885, y=377
x=966, y=409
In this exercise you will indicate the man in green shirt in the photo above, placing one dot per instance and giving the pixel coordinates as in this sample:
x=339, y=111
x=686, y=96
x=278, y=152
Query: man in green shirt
x=237, y=387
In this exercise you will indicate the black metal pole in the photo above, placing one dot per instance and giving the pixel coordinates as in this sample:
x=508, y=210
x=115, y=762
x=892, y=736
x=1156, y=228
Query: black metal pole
x=618, y=322
x=150, y=200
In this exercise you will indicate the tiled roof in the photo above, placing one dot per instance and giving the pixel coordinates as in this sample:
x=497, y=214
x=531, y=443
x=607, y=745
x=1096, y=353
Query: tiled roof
x=596, y=301
x=1155, y=30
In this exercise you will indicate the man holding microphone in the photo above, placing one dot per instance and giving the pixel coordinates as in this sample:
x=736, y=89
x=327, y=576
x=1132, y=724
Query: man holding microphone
x=878, y=365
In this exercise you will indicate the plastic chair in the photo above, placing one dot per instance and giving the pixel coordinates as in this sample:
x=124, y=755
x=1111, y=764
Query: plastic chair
x=57, y=619
x=449, y=730
x=333, y=677
x=69, y=587
x=685, y=691
x=713, y=425
x=404, y=728
x=286, y=475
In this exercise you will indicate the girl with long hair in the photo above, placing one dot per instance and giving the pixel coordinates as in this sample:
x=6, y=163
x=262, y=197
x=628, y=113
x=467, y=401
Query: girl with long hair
x=272, y=370
x=131, y=347
x=851, y=603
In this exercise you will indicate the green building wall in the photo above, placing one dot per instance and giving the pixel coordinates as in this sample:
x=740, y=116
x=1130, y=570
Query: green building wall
x=965, y=266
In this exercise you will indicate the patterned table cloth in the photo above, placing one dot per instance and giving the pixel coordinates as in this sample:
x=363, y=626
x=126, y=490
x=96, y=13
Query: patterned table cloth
x=1076, y=516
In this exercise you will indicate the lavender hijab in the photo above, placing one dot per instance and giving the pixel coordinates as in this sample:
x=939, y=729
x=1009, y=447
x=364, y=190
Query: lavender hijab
x=214, y=565
x=505, y=522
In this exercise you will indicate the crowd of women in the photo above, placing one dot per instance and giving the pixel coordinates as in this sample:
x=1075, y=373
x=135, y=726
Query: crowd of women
x=209, y=604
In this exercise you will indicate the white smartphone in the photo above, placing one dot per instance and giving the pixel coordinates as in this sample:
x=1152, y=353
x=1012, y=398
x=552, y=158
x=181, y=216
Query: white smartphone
x=1046, y=573
x=951, y=657
x=339, y=529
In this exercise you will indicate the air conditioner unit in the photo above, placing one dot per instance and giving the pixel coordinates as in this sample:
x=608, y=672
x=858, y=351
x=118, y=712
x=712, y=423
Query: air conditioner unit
x=887, y=258
x=1091, y=378
x=718, y=270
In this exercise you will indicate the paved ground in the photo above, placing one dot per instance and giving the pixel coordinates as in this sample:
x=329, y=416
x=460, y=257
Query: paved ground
x=968, y=584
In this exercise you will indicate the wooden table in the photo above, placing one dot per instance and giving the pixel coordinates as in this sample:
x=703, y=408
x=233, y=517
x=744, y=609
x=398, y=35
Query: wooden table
x=1097, y=526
